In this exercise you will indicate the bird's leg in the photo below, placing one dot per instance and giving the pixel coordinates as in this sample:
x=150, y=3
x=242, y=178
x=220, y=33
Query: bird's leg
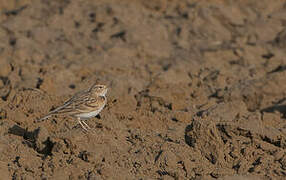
x=82, y=124
x=86, y=125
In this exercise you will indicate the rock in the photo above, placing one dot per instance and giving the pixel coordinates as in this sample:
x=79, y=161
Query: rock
x=43, y=143
x=5, y=68
x=3, y=114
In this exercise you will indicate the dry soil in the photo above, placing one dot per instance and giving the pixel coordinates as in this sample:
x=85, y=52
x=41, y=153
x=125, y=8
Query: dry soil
x=197, y=89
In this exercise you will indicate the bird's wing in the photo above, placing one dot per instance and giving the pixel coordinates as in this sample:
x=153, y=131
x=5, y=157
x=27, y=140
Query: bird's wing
x=89, y=104
x=78, y=96
x=82, y=103
x=67, y=106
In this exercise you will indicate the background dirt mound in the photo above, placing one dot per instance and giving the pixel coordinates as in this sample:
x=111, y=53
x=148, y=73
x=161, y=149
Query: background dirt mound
x=197, y=89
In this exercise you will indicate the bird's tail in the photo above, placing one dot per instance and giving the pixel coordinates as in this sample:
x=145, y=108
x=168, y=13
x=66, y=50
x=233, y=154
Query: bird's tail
x=50, y=113
x=44, y=118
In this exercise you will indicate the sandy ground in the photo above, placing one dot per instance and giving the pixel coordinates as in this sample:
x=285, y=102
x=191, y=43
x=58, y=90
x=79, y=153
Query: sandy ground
x=197, y=89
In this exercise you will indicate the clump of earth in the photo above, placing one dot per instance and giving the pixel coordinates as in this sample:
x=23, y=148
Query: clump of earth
x=197, y=89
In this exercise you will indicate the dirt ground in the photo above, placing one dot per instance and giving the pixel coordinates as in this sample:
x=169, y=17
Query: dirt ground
x=197, y=89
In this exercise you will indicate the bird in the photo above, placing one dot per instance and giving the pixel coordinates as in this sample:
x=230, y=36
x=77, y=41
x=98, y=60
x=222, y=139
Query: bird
x=82, y=105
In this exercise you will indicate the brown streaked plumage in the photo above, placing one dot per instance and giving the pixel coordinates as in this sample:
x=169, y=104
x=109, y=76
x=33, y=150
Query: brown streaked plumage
x=83, y=105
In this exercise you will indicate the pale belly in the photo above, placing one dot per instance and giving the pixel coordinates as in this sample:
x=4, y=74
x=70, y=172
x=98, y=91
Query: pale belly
x=89, y=114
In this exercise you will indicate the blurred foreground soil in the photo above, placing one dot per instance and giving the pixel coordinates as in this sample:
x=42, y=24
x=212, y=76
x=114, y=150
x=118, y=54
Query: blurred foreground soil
x=197, y=89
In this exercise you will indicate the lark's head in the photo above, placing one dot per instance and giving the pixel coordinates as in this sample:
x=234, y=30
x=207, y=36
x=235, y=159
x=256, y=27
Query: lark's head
x=98, y=90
